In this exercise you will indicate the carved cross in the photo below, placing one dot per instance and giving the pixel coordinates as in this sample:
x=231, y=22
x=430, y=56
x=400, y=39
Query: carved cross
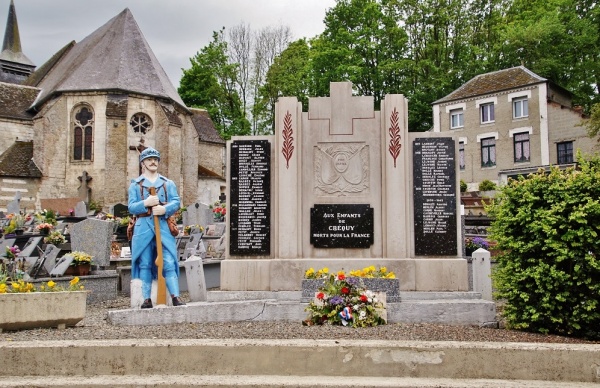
x=343, y=109
x=83, y=190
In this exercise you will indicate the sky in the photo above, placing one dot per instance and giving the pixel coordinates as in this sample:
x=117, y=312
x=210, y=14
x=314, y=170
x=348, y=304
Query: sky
x=175, y=29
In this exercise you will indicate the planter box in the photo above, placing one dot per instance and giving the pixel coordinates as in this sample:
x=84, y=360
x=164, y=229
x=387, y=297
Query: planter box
x=391, y=287
x=41, y=309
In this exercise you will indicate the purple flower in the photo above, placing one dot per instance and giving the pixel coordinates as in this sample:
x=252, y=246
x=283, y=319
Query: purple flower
x=336, y=300
x=353, y=281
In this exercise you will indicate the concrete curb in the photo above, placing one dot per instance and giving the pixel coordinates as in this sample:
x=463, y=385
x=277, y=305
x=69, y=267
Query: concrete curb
x=569, y=363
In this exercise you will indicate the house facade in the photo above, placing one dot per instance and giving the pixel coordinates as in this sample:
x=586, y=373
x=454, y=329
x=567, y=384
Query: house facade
x=511, y=122
x=88, y=112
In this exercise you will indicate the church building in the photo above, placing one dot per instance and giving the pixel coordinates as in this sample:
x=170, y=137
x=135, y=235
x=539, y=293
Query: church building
x=81, y=119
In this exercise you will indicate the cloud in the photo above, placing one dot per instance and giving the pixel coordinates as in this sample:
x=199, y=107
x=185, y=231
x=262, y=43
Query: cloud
x=175, y=30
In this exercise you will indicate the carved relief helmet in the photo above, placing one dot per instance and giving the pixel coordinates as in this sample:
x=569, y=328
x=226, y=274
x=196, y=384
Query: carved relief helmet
x=149, y=153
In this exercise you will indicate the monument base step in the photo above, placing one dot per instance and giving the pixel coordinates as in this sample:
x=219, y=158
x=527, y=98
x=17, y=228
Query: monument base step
x=228, y=306
x=254, y=381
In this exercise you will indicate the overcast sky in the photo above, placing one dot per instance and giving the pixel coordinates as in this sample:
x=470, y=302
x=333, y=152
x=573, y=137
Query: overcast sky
x=175, y=29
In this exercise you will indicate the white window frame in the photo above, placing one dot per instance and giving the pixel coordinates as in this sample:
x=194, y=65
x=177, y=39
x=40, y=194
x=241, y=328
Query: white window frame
x=493, y=101
x=522, y=104
x=460, y=115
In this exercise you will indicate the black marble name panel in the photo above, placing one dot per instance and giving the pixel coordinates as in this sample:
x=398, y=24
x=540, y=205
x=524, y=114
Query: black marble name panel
x=341, y=226
x=435, y=196
x=250, y=192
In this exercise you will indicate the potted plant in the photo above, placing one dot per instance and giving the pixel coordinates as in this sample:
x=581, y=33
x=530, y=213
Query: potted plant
x=374, y=279
x=82, y=262
x=473, y=244
x=23, y=306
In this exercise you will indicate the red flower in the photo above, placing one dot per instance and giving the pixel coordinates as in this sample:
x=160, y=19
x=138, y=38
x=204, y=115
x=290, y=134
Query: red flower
x=320, y=296
x=345, y=290
x=363, y=298
x=341, y=276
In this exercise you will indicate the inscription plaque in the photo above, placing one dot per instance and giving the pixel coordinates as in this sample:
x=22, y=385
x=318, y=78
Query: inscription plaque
x=250, y=191
x=435, y=196
x=341, y=226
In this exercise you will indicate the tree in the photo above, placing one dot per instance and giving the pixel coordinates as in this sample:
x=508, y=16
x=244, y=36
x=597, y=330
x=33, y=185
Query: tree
x=363, y=44
x=593, y=124
x=549, y=275
x=287, y=76
x=210, y=83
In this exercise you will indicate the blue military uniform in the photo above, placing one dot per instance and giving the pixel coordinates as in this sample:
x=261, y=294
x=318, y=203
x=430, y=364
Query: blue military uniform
x=143, y=243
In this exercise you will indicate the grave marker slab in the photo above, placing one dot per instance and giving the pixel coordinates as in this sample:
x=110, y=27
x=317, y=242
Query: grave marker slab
x=81, y=209
x=62, y=265
x=30, y=248
x=94, y=237
x=120, y=210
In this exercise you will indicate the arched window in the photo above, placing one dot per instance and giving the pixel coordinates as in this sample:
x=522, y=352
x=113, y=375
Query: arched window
x=83, y=133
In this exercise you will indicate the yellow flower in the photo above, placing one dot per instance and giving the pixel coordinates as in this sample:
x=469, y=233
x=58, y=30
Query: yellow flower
x=2, y=288
x=325, y=270
x=383, y=269
x=51, y=284
x=309, y=272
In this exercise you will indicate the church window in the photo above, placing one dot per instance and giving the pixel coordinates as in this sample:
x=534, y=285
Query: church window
x=140, y=123
x=83, y=133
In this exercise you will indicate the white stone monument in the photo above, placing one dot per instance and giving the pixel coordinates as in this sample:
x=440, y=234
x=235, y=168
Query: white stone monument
x=343, y=186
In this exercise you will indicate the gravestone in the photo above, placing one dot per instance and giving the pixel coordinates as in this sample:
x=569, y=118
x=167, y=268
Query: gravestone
x=45, y=262
x=343, y=186
x=196, y=283
x=30, y=248
x=62, y=265
x=120, y=210
x=14, y=206
x=93, y=237
x=81, y=209
x=192, y=214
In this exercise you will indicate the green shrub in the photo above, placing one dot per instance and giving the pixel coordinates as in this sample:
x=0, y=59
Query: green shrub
x=546, y=227
x=487, y=185
x=463, y=186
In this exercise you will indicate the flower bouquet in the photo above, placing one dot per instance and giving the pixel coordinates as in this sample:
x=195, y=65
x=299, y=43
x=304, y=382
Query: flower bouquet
x=44, y=228
x=12, y=252
x=219, y=211
x=345, y=301
x=55, y=238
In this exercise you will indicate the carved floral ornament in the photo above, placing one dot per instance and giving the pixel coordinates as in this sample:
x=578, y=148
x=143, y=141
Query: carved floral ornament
x=395, y=138
x=288, y=140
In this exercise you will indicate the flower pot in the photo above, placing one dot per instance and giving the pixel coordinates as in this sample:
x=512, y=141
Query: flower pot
x=44, y=232
x=41, y=309
x=390, y=286
x=83, y=269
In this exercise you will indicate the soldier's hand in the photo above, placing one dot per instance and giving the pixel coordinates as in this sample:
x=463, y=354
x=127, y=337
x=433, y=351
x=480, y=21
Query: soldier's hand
x=158, y=210
x=152, y=200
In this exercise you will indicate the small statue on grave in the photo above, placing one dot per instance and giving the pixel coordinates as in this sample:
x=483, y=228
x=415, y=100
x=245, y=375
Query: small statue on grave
x=143, y=244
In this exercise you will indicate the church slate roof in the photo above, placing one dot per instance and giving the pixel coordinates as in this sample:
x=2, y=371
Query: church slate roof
x=15, y=99
x=17, y=161
x=11, y=46
x=205, y=127
x=115, y=57
x=493, y=82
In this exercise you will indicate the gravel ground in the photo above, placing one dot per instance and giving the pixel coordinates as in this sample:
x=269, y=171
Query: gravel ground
x=95, y=326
